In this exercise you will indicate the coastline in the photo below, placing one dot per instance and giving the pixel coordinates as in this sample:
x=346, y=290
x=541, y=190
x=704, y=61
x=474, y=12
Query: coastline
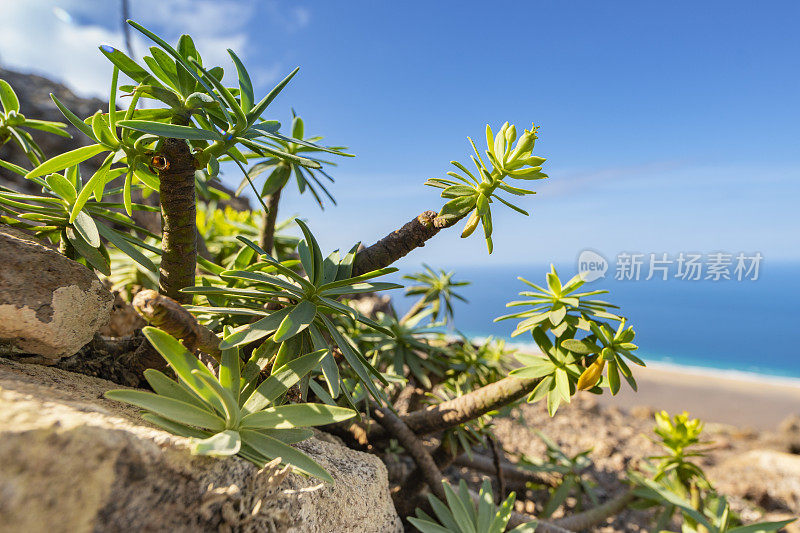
x=743, y=399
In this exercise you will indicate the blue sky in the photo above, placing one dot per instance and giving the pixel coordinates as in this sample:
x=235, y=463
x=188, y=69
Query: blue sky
x=668, y=127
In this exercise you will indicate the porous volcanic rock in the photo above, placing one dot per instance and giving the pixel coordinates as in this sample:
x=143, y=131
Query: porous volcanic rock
x=50, y=306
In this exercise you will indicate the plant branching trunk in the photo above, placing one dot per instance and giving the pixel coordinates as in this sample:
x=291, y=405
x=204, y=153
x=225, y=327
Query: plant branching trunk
x=426, y=464
x=409, y=398
x=266, y=234
x=413, y=484
x=400, y=242
x=165, y=313
x=459, y=410
x=178, y=224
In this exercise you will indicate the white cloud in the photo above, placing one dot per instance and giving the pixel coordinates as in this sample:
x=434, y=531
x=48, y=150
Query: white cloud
x=60, y=38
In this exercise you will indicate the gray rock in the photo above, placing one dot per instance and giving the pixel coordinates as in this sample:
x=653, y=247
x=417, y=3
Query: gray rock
x=50, y=306
x=74, y=461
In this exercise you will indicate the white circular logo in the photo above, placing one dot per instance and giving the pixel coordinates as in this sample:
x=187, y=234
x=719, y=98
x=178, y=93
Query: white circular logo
x=591, y=266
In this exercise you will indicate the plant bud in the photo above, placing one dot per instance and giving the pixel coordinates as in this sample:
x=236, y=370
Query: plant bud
x=511, y=134
x=591, y=376
x=472, y=223
x=524, y=146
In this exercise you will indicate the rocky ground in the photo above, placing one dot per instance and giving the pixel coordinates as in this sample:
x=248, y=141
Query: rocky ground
x=758, y=472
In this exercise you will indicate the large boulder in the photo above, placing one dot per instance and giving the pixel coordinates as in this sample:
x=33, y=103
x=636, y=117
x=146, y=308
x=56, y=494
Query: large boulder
x=74, y=461
x=50, y=306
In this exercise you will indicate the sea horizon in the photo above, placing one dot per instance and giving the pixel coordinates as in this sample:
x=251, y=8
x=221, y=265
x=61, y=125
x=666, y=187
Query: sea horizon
x=740, y=329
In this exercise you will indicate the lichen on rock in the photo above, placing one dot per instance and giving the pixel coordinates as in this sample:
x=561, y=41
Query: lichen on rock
x=50, y=306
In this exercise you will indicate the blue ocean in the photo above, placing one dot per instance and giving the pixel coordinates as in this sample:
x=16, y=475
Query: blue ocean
x=747, y=326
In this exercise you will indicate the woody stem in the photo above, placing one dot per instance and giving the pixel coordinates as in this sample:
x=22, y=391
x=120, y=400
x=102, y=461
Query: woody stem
x=178, y=224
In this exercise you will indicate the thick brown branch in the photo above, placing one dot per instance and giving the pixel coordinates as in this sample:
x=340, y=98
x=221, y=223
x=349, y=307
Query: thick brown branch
x=178, y=227
x=165, y=313
x=397, y=429
x=398, y=243
x=459, y=410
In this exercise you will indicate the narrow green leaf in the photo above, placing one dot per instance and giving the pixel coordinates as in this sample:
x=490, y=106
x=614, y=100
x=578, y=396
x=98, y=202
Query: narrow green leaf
x=126, y=247
x=461, y=513
x=282, y=379
x=67, y=159
x=296, y=415
x=8, y=97
x=257, y=330
x=176, y=428
x=169, y=408
x=230, y=371
x=426, y=526
x=358, y=366
x=230, y=405
x=98, y=179
x=62, y=187
x=763, y=527
x=174, y=131
x=183, y=363
x=316, y=254
x=259, y=108
x=55, y=128
x=296, y=321
x=13, y=168
x=241, y=119
x=163, y=44
x=87, y=228
x=288, y=436
x=165, y=386
x=273, y=448
x=73, y=119
x=92, y=255
x=127, y=65
x=224, y=443
x=245, y=85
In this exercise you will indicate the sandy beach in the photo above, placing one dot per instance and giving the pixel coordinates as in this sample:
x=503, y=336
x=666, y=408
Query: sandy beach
x=740, y=399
